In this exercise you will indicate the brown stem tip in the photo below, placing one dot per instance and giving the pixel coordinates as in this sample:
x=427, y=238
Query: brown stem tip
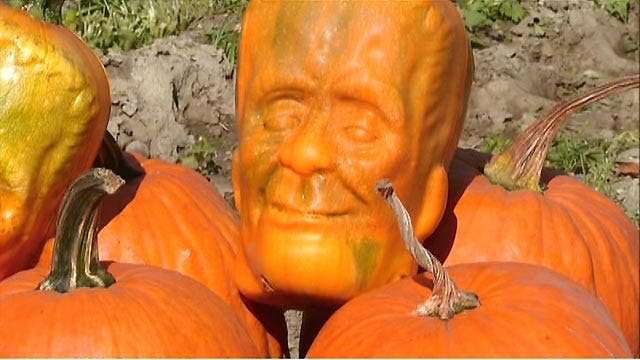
x=446, y=299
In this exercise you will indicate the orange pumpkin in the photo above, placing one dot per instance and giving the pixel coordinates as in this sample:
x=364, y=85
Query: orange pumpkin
x=525, y=311
x=84, y=310
x=568, y=227
x=170, y=216
x=332, y=96
x=54, y=109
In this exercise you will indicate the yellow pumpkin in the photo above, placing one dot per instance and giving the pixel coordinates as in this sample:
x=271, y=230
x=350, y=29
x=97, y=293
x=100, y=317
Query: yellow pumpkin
x=54, y=108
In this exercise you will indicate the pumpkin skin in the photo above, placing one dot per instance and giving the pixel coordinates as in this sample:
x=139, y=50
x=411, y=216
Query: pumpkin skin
x=189, y=228
x=332, y=96
x=525, y=311
x=55, y=102
x=148, y=312
x=569, y=228
x=86, y=308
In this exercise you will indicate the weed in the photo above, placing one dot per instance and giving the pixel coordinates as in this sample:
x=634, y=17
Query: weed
x=485, y=13
x=495, y=144
x=593, y=160
x=200, y=157
x=617, y=8
x=226, y=37
x=227, y=41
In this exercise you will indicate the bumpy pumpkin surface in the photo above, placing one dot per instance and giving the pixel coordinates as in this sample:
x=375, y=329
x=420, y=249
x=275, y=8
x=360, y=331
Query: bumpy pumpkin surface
x=148, y=312
x=331, y=97
x=54, y=108
x=525, y=311
x=172, y=217
x=498, y=211
x=84, y=309
x=569, y=227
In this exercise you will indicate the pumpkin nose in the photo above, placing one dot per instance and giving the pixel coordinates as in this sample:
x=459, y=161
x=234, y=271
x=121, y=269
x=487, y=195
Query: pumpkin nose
x=306, y=152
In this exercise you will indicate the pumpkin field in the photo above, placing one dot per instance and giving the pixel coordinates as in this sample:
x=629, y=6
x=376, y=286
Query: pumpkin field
x=174, y=98
x=538, y=199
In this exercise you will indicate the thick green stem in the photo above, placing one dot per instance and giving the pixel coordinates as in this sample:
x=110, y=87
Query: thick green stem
x=112, y=157
x=446, y=299
x=75, y=250
x=520, y=166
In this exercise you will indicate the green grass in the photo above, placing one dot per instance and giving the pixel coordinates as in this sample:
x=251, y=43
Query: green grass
x=226, y=39
x=483, y=14
x=227, y=36
x=617, y=8
x=129, y=24
x=591, y=160
x=123, y=25
x=200, y=156
x=486, y=13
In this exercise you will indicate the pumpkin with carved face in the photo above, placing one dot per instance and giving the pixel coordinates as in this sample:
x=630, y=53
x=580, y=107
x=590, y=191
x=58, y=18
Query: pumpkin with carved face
x=331, y=97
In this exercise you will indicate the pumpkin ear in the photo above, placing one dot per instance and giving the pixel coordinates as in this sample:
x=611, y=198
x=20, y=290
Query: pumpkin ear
x=433, y=203
x=235, y=179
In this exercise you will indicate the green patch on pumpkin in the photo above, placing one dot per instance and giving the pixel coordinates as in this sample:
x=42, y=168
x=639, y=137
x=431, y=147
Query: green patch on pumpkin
x=365, y=256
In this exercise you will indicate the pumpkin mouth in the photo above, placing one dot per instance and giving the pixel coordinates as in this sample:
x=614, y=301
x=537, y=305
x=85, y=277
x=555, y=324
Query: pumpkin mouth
x=309, y=212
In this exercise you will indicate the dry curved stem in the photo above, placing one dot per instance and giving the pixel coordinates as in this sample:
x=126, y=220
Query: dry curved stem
x=75, y=250
x=520, y=166
x=446, y=299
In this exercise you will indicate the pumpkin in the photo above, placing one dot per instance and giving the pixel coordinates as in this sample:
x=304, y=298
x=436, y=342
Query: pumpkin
x=83, y=309
x=170, y=216
x=54, y=108
x=525, y=311
x=512, y=310
x=332, y=96
x=568, y=226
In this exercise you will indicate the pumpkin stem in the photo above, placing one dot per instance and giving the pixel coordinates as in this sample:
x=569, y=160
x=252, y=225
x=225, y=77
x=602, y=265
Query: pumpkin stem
x=446, y=299
x=519, y=167
x=111, y=156
x=47, y=10
x=75, y=250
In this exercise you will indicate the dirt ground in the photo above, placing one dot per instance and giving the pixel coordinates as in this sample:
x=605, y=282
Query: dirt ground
x=167, y=95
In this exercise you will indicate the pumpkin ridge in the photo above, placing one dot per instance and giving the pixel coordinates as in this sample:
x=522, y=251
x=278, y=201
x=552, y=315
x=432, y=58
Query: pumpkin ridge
x=527, y=286
x=594, y=232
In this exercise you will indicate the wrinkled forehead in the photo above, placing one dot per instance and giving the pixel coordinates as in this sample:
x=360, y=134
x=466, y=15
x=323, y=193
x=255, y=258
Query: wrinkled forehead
x=322, y=42
x=327, y=33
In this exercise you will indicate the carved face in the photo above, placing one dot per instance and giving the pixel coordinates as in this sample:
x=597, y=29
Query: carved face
x=331, y=98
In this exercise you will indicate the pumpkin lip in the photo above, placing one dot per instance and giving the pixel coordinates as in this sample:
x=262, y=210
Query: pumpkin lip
x=308, y=214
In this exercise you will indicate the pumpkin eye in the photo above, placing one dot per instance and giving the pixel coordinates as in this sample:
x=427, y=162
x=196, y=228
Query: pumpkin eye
x=358, y=133
x=362, y=124
x=281, y=122
x=283, y=114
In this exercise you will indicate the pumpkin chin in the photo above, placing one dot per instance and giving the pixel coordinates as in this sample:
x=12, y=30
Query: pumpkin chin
x=310, y=268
